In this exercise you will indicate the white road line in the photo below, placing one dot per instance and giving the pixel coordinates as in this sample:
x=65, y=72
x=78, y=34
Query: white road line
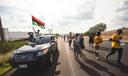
x=69, y=59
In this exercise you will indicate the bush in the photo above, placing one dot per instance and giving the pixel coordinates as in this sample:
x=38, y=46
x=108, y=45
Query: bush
x=4, y=65
x=7, y=46
x=6, y=49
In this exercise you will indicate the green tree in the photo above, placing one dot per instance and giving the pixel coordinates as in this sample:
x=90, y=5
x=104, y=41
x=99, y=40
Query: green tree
x=98, y=27
x=85, y=33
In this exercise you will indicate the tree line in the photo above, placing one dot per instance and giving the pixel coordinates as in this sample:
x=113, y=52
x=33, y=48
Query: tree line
x=98, y=27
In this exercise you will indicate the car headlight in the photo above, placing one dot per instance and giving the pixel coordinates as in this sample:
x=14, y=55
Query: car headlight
x=40, y=53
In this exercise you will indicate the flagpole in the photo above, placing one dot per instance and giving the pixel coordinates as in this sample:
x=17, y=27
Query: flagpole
x=34, y=30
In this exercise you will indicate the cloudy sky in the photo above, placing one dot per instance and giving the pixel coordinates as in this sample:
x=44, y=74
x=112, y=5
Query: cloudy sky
x=64, y=16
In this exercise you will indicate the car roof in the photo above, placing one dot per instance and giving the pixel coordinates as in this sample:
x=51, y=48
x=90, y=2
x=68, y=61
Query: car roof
x=44, y=36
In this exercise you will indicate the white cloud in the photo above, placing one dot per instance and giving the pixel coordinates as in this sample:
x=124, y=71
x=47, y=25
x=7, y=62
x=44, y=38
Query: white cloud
x=120, y=18
x=66, y=15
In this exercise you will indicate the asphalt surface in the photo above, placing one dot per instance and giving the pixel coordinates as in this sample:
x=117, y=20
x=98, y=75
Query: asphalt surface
x=87, y=65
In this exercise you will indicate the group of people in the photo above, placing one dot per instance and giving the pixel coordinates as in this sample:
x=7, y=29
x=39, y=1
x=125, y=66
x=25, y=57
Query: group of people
x=116, y=44
x=115, y=39
x=78, y=42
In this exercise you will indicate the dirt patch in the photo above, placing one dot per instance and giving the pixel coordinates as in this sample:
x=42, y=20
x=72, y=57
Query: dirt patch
x=108, y=34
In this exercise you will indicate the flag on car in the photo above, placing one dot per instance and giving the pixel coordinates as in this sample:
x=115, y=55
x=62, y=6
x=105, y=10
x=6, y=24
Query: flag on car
x=38, y=22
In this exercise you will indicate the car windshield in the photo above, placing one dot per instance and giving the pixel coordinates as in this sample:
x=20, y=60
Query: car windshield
x=41, y=40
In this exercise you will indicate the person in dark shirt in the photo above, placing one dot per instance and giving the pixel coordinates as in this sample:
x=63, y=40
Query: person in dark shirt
x=91, y=41
x=76, y=45
x=70, y=37
x=30, y=38
x=64, y=37
x=81, y=40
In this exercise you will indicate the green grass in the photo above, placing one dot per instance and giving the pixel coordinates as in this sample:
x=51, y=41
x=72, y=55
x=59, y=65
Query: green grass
x=4, y=69
x=4, y=65
x=10, y=45
x=6, y=49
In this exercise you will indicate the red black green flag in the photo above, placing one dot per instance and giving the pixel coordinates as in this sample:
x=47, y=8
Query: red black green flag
x=38, y=22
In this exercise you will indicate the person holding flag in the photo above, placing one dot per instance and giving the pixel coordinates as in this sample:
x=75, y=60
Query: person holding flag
x=39, y=23
x=37, y=33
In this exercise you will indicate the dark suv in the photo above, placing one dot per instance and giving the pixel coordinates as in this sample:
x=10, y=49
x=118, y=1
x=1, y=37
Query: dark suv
x=37, y=52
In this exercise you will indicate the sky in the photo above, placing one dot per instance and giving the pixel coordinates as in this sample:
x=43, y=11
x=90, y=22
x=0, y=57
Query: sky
x=63, y=16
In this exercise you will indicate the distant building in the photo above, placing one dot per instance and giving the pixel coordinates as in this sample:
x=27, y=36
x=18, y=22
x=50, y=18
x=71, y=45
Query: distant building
x=17, y=35
x=14, y=35
x=6, y=34
x=50, y=31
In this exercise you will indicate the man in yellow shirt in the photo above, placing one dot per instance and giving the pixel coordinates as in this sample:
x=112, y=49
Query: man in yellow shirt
x=116, y=45
x=97, y=41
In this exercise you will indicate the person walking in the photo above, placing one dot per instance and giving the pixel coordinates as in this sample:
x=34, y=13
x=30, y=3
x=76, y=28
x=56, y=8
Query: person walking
x=76, y=45
x=64, y=37
x=70, y=39
x=97, y=41
x=91, y=37
x=116, y=45
x=81, y=38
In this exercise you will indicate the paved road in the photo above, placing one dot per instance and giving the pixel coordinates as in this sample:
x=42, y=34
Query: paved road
x=81, y=66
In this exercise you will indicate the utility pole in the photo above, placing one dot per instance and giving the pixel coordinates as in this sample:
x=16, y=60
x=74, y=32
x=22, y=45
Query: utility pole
x=1, y=31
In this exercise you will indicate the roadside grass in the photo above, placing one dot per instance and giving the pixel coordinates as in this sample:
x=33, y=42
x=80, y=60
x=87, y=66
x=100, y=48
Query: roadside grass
x=7, y=46
x=4, y=69
x=6, y=49
x=4, y=65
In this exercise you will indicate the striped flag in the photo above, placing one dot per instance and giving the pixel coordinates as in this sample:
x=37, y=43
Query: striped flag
x=38, y=22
